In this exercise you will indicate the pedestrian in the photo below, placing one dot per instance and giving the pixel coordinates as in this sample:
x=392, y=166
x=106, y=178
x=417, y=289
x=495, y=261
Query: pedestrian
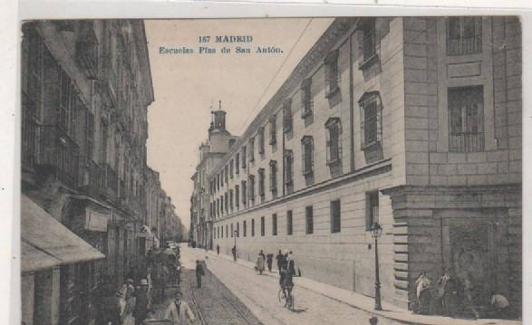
x=423, y=294
x=142, y=302
x=218, y=249
x=178, y=311
x=500, y=306
x=260, y=262
x=269, y=262
x=280, y=261
x=448, y=288
x=199, y=273
x=469, y=296
x=233, y=251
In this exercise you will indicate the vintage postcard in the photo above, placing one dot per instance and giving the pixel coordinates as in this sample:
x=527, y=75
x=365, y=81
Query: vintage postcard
x=334, y=170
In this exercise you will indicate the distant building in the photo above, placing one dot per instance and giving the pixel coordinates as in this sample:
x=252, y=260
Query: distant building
x=86, y=86
x=210, y=153
x=414, y=123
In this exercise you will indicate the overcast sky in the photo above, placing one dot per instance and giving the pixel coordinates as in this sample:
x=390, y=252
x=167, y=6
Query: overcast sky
x=186, y=85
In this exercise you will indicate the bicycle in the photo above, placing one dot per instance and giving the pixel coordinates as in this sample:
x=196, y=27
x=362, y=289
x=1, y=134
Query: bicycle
x=286, y=300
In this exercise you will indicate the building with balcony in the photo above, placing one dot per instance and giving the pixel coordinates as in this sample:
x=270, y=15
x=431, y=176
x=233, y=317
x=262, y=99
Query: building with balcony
x=413, y=123
x=86, y=86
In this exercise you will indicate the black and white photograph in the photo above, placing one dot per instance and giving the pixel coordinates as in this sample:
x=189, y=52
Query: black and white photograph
x=271, y=171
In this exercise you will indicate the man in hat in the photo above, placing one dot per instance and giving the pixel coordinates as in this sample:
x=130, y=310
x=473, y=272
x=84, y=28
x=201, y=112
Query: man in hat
x=141, y=306
x=178, y=311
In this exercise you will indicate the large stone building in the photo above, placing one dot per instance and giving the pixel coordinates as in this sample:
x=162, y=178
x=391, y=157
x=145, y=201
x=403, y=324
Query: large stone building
x=86, y=86
x=211, y=152
x=414, y=123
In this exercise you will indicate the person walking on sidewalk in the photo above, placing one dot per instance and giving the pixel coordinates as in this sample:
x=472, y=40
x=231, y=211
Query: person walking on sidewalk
x=260, y=262
x=233, y=251
x=142, y=302
x=178, y=311
x=269, y=262
x=280, y=261
x=199, y=273
x=217, y=249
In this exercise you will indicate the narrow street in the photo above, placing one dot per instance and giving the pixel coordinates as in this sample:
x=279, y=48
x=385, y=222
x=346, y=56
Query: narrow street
x=259, y=294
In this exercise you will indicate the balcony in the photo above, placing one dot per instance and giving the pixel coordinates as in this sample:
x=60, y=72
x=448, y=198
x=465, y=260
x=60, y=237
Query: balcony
x=111, y=182
x=59, y=151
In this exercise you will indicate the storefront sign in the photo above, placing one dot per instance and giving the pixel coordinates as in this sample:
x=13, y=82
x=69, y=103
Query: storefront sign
x=95, y=221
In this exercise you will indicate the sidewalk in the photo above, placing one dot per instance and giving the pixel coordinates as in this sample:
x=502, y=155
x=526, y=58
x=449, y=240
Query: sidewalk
x=366, y=304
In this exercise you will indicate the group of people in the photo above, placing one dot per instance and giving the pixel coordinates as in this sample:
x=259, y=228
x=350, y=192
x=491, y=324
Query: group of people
x=453, y=296
x=285, y=265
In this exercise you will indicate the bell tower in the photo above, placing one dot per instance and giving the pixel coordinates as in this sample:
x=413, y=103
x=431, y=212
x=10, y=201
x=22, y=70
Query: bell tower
x=218, y=134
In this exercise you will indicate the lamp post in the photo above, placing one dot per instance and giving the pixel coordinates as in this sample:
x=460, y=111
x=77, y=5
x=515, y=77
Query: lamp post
x=235, y=233
x=376, y=232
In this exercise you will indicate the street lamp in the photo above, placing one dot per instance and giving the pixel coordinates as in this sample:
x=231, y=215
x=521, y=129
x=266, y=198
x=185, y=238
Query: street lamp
x=376, y=232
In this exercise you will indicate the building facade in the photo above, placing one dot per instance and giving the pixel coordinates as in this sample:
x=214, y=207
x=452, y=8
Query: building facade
x=211, y=153
x=86, y=86
x=413, y=123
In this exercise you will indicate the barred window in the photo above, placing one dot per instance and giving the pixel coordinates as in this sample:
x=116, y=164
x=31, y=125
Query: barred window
x=307, y=144
x=244, y=157
x=289, y=170
x=466, y=127
x=334, y=145
x=237, y=196
x=336, y=217
x=306, y=98
x=287, y=116
x=331, y=73
x=261, y=182
x=372, y=209
x=274, y=224
x=464, y=35
x=309, y=219
x=370, y=119
x=289, y=223
x=369, y=39
x=273, y=176
x=252, y=188
x=273, y=130
x=251, y=149
x=244, y=193
x=261, y=140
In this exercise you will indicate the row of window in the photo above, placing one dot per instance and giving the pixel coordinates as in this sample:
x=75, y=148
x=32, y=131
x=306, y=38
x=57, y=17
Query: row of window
x=464, y=37
x=372, y=216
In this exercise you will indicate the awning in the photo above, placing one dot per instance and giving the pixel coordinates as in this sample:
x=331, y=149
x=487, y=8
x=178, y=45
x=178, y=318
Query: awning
x=47, y=243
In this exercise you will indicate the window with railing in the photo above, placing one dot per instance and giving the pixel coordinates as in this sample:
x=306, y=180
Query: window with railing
x=466, y=116
x=287, y=116
x=333, y=140
x=273, y=177
x=289, y=170
x=464, y=35
x=307, y=144
x=306, y=98
x=331, y=74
